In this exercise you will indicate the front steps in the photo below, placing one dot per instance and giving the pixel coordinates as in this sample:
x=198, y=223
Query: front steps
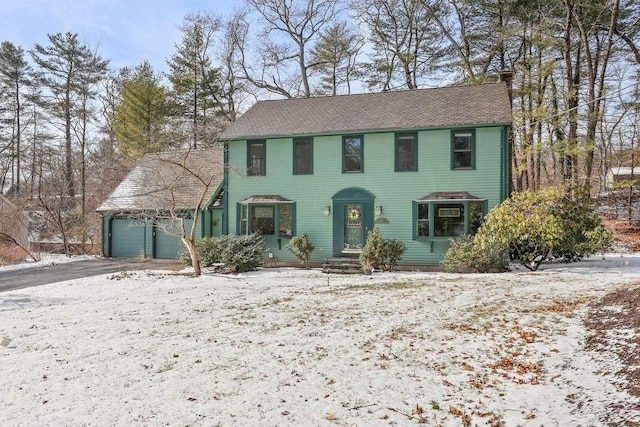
x=342, y=266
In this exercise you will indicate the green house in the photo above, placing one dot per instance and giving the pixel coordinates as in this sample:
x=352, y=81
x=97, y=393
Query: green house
x=424, y=166
x=143, y=215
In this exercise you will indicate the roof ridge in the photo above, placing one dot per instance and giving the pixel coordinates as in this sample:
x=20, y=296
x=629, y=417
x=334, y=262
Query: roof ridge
x=404, y=91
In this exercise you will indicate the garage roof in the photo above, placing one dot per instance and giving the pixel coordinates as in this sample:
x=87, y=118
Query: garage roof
x=169, y=181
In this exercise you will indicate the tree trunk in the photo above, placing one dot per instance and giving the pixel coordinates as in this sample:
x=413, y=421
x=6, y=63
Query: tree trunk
x=190, y=244
x=67, y=149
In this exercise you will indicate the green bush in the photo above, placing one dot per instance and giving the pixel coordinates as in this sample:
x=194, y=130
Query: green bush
x=533, y=227
x=380, y=253
x=183, y=254
x=242, y=253
x=394, y=249
x=208, y=250
x=466, y=256
x=302, y=248
x=584, y=233
x=237, y=253
x=373, y=253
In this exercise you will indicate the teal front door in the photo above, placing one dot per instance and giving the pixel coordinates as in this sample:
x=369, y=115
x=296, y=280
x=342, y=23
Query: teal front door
x=352, y=220
x=354, y=230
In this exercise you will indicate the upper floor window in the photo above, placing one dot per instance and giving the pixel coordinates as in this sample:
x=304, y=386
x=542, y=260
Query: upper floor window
x=302, y=156
x=353, y=150
x=463, y=153
x=256, y=157
x=406, y=152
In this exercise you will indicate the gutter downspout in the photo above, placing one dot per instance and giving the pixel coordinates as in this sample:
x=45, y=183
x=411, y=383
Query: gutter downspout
x=225, y=191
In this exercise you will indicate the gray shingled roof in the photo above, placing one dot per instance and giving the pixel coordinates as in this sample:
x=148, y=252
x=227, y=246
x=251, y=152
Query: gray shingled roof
x=455, y=106
x=449, y=195
x=157, y=182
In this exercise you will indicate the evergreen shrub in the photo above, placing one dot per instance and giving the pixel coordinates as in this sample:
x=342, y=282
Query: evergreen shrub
x=237, y=254
x=381, y=253
x=533, y=227
x=302, y=248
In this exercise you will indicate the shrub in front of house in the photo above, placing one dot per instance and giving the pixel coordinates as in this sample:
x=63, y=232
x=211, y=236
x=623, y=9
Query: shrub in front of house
x=236, y=254
x=393, y=251
x=208, y=250
x=302, y=248
x=467, y=256
x=381, y=253
x=242, y=253
x=534, y=227
x=372, y=255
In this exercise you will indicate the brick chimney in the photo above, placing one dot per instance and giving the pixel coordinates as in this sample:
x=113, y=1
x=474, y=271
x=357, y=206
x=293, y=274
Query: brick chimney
x=507, y=77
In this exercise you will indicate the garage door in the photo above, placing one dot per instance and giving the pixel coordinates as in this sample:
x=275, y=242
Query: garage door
x=167, y=244
x=127, y=238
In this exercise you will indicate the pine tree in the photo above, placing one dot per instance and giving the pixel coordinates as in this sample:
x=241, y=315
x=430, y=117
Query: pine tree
x=64, y=67
x=194, y=78
x=140, y=116
x=15, y=78
x=334, y=57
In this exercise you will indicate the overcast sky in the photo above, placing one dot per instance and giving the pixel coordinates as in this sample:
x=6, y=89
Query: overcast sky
x=126, y=32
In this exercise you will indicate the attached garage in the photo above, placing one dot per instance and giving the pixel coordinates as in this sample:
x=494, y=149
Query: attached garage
x=136, y=217
x=166, y=243
x=127, y=238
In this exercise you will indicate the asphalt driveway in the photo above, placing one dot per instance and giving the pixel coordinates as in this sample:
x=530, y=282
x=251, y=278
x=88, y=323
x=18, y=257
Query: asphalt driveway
x=35, y=276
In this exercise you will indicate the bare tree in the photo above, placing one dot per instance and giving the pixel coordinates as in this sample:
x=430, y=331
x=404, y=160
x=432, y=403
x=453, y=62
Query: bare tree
x=193, y=167
x=170, y=190
x=287, y=30
x=14, y=225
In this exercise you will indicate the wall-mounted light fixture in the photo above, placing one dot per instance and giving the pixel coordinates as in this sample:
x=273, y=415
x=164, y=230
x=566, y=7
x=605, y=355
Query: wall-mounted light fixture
x=327, y=210
x=378, y=210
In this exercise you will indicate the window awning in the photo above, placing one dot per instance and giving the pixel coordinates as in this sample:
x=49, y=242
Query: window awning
x=266, y=198
x=449, y=196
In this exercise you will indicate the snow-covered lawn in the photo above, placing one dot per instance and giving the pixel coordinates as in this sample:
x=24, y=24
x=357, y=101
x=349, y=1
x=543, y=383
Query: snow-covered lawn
x=293, y=347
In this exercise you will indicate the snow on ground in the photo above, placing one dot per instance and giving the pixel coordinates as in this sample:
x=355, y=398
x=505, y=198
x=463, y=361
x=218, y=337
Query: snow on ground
x=287, y=346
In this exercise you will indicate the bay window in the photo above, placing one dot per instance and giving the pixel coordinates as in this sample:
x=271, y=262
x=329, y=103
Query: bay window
x=267, y=215
x=445, y=215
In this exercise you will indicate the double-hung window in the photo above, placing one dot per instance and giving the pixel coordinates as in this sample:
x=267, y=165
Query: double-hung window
x=353, y=153
x=406, y=152
x=303, y=156
x=463, y=149
x=256, y=157
x=447, y=215
x=267, y=215
x=422, y=220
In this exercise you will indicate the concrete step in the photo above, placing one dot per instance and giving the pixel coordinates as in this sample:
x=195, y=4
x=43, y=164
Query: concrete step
x=342, y=266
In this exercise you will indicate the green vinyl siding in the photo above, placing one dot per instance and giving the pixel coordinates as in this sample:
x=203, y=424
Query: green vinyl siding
x=395, y=192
